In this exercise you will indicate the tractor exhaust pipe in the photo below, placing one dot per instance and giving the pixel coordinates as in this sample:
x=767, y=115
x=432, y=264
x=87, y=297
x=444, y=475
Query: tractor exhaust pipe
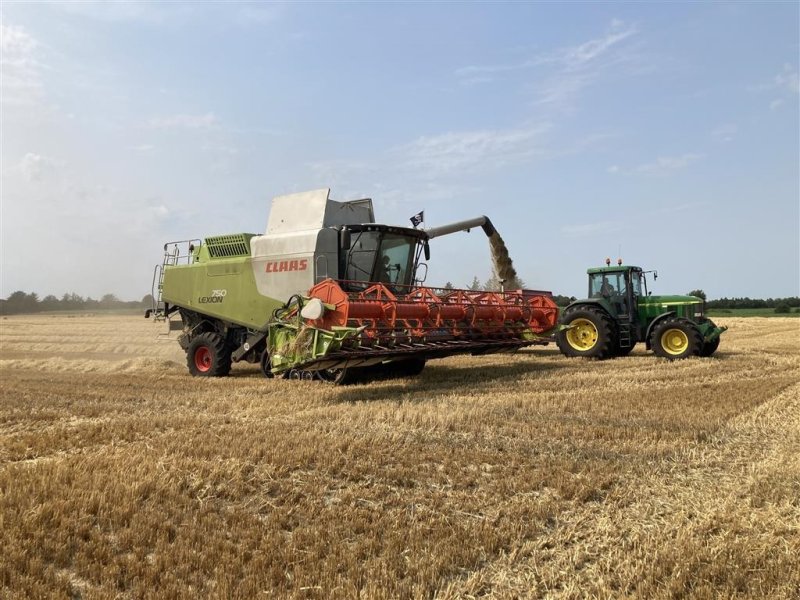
x=482, y=221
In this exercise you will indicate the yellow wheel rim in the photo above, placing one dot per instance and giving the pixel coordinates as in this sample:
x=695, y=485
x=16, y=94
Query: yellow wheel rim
x=674, y=341
x=582, y=335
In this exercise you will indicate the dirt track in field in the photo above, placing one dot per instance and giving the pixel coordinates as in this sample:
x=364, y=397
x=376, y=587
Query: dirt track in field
x=525, y=475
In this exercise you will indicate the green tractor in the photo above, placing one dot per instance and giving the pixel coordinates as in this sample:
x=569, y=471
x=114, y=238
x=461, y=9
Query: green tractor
x=619, y=313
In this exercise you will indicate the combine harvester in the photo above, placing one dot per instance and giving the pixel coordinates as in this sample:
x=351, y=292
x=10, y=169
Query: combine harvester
x=327, y=293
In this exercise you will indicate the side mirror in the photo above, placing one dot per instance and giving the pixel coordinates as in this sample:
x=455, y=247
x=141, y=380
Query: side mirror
x=344, y=239
x=655, y=275
x=427, y=249
x=420, y=276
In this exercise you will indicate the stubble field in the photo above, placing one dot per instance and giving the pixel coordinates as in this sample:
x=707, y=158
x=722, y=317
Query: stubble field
x=526, y=475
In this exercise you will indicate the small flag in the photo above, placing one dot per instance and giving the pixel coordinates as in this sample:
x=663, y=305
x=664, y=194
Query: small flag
x=417, y=219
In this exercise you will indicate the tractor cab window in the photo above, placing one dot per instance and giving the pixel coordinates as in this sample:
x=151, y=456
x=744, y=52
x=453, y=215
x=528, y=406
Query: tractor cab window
x=379, y=256
x=636, y=283
x=607, y=285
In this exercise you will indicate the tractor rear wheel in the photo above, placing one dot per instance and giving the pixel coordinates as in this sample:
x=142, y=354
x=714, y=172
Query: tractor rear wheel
x=709, y=347
x=676, y=338
x=591, y=333
x=208, y=355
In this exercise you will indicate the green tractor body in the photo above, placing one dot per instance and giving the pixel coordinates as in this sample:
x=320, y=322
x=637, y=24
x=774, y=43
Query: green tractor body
x=619, y=313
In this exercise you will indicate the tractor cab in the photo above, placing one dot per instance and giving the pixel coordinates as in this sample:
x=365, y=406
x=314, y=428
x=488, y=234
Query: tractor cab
x=372, y=253
x=619, y=288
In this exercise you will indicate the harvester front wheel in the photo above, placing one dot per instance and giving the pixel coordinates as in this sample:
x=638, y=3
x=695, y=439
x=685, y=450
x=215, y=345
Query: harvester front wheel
x=208, y=355
x=266, y=367
x=676, y=338
x=590, y=333
x=337, y=376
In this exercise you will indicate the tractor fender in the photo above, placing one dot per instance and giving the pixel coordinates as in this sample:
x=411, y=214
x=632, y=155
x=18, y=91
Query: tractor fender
x=587, y=302
x=653, y=324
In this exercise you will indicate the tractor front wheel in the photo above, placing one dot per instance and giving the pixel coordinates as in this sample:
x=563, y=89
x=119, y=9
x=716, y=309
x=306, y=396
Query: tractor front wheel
x=676, y=338
x=709, y=347
x=590, y=333
x=208, y=355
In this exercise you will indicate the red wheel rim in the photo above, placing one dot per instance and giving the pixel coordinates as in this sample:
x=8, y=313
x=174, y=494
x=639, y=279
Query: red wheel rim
x=202, y=358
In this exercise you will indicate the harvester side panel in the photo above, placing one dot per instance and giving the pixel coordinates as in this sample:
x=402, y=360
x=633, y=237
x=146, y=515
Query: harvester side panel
x=224, y=289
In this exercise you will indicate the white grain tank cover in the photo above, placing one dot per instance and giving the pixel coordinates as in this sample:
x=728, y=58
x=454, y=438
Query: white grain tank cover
x=300, y=247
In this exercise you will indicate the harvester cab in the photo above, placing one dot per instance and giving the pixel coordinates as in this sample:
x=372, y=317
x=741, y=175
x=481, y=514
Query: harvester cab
x=380, y=253
x=619, y=312
x=326, y=292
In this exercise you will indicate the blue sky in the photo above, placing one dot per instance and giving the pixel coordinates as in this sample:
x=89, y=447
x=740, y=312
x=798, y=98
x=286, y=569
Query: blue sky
x=665, y=133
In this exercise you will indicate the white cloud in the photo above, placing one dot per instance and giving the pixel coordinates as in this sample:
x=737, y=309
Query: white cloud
x=788, y=80
x=185, y=121
x=257, y=14
x=583, y=65
x=785, y=85
x=667, y=164
x=483, y=73
x=37, y=168
x=15, y=41
x=21, y=70
x=143, y=147
x=158, y=212
x=112, y=11
x=663, y=165
x=451, y=151
x=725, y=132
x=776, y=104
x=579, y=56
x=574, y=67
x=572, y=57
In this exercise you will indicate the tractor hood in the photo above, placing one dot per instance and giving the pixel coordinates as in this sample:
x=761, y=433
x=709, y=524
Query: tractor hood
x=689, y=307
x=671, y=300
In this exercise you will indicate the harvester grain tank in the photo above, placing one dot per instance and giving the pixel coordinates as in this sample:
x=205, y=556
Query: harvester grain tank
x=326, y=292
x=619, y=313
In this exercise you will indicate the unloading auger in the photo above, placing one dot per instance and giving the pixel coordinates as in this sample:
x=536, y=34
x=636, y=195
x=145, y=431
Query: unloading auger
x=327, y=293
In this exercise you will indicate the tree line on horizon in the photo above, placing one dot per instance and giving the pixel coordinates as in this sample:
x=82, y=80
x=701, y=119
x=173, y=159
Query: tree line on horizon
x=21, y=302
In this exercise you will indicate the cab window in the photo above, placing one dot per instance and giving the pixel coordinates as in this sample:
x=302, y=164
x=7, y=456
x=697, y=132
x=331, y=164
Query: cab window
x=636, y=283
x=396, y=261
x=379, y=256
x=606, y=284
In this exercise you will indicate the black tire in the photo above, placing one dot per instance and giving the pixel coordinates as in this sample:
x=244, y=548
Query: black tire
x=208, y=355
x=709, y=347
x=676, y=338
x=337, y=376
x=593, y=334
